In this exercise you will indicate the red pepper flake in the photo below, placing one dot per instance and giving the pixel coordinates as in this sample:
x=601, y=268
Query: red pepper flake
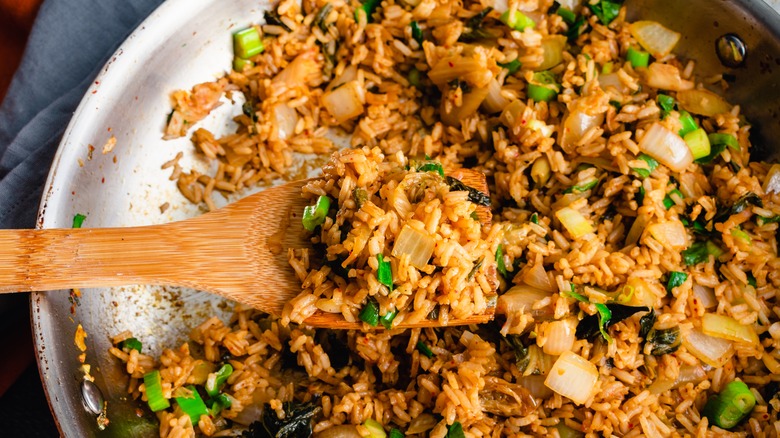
x=451, y=64
x=103, y=180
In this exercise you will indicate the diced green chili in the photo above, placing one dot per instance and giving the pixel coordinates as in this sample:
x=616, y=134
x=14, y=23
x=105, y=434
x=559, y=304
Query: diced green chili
x=154, y=393
x=247, y=43
x=314, y=215
x=221, y=376
x=370, y=313
x=78, y=220
x=731, y=406
x=192, y=405
x=675, y=279
x=424, y=349
x=637, y=58
x=543, y=87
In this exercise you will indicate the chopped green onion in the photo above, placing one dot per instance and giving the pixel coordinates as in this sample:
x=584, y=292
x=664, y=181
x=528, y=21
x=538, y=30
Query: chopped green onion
x=78, y=220
x=240, y=64
x=640, y=196
x=751, y=279
x=726, y=139
x=700, y=252
x=666, y=103
x=455, y=431
x=370, y=313
x=314, y=215
x=414, y=77
x=384, y=272
x=368, y=7
x=652, y=164
x=424, y=349
x=760, y=220
x=517, y=20
x=387, y=319
x=568, y=16
x=535, y=218
x=500, y=263
x=687, y=122
x=605, y=10
x=582, y=187
x=513, y=66
x=731, y=406
x=637, y=58
x=247, y=43
x=192, y=405
x=607, y=69
x=417, y=33
x=154, y=393
x=675, y=279
x=668, y=201
x=221, y=401
x=375, y=429
x=577, y=28
x=543, y=88
x=431, y=167
x=131, y=344
x=574, y=294
x=698, y=143
x=604, y=316
x=395, y=433
x=741, y=235
x=214, y=383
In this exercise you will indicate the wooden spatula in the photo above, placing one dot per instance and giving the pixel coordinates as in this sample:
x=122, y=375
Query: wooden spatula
x=238, y=252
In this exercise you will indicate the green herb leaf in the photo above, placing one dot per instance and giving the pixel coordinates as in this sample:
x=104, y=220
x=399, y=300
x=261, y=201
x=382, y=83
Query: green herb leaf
x=666, y=103
x=455, y=431
x=369, y=6
x=475, y=269
x=431, y=167
x=605, y=315
x=590, y=326
x=606, y=10
x=676, y=279
x=535, y=218
x=640, y=196
x=695, y=254
x=417, y=33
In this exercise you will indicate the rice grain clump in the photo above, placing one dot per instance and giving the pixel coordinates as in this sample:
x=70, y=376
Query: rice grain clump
x=634, y=235
x=402, y=243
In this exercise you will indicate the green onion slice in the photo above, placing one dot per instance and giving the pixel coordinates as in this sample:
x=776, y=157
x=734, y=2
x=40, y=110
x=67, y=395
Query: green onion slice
x=568, y=16
x=154, y=393
x=725, y=139
x=543, y=87
x=247, y=43
x=370, y=313
x=500, y=263
x=637, y=58
x=652, y=164
x=384, y=272
x=395, y=433
x=698, y=143
x=688, y=123
x=387, y=319
x=731, y=406
x=666, y=103
x=314, y=215
x=368, y=7
x=513, y=66
x=424, y=349
x=131, y=344
x=517, y=20
x=192, y=405
x=240, y=64
x=214, y=384
x=78, y=220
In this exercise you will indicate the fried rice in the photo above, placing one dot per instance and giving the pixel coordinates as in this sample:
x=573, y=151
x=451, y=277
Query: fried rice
x=636, y=284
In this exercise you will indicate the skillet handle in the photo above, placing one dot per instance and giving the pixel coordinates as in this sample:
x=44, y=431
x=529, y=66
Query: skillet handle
x=53, y=259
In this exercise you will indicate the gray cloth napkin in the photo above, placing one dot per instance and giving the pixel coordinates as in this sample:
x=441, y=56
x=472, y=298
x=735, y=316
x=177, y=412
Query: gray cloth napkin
x=69, y=43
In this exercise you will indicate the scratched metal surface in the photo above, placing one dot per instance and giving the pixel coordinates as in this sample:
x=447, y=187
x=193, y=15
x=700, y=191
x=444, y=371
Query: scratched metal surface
x=186, y=42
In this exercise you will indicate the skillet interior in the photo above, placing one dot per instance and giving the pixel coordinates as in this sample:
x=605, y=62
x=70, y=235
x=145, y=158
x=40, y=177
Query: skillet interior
x=185, y=42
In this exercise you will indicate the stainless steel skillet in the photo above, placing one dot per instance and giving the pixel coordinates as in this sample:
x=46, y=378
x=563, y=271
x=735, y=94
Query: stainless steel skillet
x=188, y=41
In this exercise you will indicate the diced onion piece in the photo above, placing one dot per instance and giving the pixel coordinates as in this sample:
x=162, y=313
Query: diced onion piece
x=349, y=74
x=670, y=234
x=636, y=230
x=666, y=77
x=470, y=69
x=688, y=374
x=418, y=245
x=252, y=412
x=709, y=349
x=612, y=83
x=375, y=429
x=771, y=363
x=421, y=423
x=574, y=222
x=703, y=102
x=540, y=171
x=494, y=102
x=499, y=6
x=303, y=68
x=573, y=377
x=654, y=37
x=512, y=115
x=536, y=276
x=535, y=386
x=643, y=294
x=285, y=119
x=726, y=327
x=571, y=5
x=705, y=295
x=576, y=124
x=341, y=431
x=471, y=102
x=552, y=47
x=519, y=299
x=772, y=180
x=559, y=336
x=666, y=147
x=346, y=102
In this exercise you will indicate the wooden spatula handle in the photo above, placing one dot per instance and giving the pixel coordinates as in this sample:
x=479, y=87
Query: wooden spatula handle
x=38, y=260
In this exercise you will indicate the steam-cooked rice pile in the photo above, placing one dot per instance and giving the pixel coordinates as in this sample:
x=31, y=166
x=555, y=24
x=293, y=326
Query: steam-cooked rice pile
x=636, y=283
x=428, y=236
